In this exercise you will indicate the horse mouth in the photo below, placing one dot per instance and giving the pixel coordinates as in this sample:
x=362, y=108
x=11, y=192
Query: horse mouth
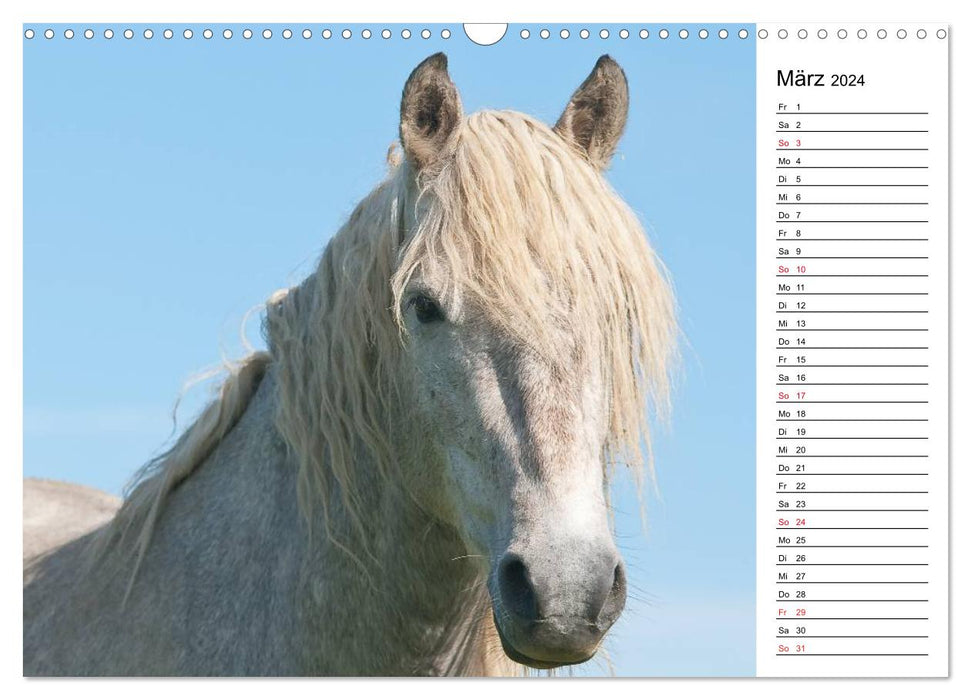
x=541, y=664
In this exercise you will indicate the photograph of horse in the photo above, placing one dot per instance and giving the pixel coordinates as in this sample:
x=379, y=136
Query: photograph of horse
x=412, y=479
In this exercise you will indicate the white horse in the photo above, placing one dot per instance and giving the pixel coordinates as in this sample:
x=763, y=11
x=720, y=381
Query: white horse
x=413, y=479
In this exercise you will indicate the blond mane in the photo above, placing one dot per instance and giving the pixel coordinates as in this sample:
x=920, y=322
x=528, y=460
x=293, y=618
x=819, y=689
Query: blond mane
x=521, y=225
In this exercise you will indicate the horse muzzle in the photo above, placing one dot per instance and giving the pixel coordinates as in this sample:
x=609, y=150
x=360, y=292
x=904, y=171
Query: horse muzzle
x=545, y=620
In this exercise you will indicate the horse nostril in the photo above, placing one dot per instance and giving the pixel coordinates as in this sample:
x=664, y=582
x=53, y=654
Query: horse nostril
x=616, y=596
x=620, y=581
x=518, y=596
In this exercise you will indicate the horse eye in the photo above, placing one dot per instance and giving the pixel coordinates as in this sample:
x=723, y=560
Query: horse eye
x=427, y=310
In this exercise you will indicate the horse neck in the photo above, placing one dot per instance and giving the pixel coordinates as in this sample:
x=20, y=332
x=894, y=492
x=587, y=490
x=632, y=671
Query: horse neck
x=412, y=596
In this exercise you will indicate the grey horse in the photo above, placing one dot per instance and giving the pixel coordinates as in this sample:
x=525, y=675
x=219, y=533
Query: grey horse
x=413, y=478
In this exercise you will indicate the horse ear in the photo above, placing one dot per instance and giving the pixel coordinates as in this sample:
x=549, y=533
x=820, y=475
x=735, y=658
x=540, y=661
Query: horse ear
x=430, y=112
x=595, y=117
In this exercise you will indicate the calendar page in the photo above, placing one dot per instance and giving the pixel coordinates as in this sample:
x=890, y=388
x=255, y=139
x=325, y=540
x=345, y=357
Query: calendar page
x=561, y=349
x=852, y=351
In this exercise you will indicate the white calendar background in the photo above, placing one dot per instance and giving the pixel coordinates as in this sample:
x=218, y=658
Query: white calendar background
x=852, y=319
x=917, y=81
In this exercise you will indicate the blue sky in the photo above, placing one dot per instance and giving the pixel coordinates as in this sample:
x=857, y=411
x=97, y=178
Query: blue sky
x=172, y=185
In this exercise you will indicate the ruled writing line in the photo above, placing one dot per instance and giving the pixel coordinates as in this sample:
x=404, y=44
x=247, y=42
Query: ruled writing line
x=800, y=492
x=853, y=221
x=884, y=148
x=851, y=167
x=800, y=113
x=851, y=618
x=808, y=275
x=851, y=294
x=801, y=240
x=852, y=311
x=848, y=330
x=801, y=203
